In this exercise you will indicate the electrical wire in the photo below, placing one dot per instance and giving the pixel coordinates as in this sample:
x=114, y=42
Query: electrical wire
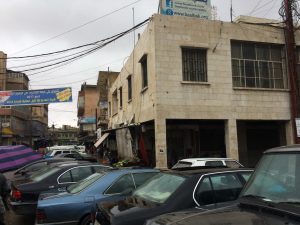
x=110, y=40
x=78, y=27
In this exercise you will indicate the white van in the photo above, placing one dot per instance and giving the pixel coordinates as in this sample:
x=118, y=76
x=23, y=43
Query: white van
x=55, y=151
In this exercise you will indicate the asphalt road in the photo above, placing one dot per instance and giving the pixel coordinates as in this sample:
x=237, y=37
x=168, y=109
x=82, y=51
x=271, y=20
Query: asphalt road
x=11, y=218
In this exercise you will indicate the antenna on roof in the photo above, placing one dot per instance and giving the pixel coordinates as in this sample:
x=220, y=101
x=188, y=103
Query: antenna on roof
x=231, y=11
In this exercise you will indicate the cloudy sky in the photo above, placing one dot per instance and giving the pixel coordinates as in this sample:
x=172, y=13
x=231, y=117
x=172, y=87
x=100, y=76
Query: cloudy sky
x=30, y=27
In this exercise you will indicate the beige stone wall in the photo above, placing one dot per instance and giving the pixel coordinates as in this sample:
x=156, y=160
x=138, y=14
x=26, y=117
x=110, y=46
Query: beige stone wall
x=169, y=97
x=142, y=106
x=90, y=102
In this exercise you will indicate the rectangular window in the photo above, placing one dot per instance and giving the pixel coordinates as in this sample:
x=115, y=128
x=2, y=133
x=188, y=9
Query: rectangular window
x=121, y=97
x=258, y=65
x=114, y=102
x=144, y=66
x=129, y=81
x=194, y=66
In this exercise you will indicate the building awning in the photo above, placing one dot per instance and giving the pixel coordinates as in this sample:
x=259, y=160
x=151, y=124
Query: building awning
x=100, y=140
x=6, y=131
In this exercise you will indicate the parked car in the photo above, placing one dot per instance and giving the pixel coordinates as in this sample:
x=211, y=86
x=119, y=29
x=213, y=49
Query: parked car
x=173, y=191
x=208, y=162
x=76, y=155
x=54, y=178
x=37, y=165
x=271, y=196
x=54, y=152
x=77, y=201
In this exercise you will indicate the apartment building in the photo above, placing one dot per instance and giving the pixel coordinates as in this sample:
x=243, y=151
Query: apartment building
x=203, y=88
x=66, y=135
x=87, y=109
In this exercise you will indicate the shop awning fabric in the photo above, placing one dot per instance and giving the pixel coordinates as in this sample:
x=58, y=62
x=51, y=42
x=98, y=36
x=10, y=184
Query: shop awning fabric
x=16, y=156
x=100, y=140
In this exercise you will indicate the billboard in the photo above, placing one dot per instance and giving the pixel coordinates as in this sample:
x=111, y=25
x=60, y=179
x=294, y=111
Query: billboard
x=87, y=120
x=35, y=97
x=190, y=8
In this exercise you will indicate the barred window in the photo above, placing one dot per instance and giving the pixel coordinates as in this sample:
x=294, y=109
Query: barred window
x=194, y=64
x=258, y=65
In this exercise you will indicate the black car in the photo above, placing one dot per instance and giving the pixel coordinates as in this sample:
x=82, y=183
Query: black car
x=171, y=191
x=77, y=156
x=53, y=178
x=37, y=165
x=271, y=197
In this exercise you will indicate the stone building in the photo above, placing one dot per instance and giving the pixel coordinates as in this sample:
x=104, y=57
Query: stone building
x=87, y=109
x=203, y=88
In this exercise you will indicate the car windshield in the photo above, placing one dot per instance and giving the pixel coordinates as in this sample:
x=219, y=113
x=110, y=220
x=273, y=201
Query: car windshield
x=49, y=153
x=160, y=187
x=232, y=164
x=276, y=179
x=43, y=173
x=79, y=186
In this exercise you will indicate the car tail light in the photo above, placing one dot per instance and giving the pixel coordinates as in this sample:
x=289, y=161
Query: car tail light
x=16, y=194
x=40, y=215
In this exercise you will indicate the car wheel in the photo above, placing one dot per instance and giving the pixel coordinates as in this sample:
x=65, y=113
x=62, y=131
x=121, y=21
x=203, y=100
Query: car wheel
x=86, y=220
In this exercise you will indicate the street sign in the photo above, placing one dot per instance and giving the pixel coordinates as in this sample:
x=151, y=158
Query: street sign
x=35, y=97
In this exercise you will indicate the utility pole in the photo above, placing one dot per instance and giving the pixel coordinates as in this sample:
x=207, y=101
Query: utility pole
x=292, y=66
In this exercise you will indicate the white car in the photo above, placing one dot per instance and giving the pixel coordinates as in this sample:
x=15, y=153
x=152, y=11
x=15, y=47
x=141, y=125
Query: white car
x=209, y=162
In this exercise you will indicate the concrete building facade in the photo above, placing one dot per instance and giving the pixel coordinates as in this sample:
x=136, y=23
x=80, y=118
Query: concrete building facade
x=198, y=88
x=66, y=135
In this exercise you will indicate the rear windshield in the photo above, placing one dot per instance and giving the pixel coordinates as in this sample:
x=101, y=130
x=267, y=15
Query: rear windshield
x=43, y=173
x=182, y=164
x=79, y=186
x=160, y=187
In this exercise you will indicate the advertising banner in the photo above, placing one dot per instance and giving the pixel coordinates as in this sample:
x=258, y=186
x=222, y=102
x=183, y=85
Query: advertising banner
x=35, y=97
x=190, y=8
x=87, y=120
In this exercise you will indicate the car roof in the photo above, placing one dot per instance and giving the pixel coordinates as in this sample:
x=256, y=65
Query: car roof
x=204, y=170
x=205, y=159
x=284, y=149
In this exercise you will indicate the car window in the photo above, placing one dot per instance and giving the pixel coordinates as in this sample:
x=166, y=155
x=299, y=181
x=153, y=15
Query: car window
x=66, y=151
x=227, y=187
x=204, y=194
x=246, y=175
x=65, y=178
x=160, y=187
x=35, y=166
x=98, y=169
x=182, y=164
x=122, y=184
x=57, y=152
x=232, y=164
x=43, y=173
x=214, y=163
x=141, y=178
x=80, y=173
x=79, y=186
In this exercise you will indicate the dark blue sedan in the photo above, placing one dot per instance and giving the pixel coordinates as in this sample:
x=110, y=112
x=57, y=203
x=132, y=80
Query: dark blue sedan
x=74, y=206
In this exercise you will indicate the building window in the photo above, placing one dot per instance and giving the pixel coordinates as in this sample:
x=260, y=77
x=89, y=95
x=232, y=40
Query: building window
x=258, y=65
x=114, y=102
x=194, y=66
x=109, y=109
x=143, y=62
x=121, y=97
x=129, y=81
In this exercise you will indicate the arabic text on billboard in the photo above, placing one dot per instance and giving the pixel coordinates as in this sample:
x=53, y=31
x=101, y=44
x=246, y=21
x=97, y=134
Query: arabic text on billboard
x=33, y=97
x=191, y=8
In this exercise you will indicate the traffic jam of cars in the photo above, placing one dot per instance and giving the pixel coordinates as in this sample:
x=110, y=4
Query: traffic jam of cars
x=69, y=190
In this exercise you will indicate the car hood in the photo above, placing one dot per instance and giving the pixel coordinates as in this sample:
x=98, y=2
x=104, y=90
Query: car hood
x=236, y=215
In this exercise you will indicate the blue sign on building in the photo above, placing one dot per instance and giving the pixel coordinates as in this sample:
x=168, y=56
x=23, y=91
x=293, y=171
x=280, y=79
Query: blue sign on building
x=35, y=97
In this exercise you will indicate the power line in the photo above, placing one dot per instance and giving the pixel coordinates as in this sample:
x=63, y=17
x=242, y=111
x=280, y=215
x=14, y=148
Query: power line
x=74, y=82
x=78, y=27
x=257, y=4
x=111, y=39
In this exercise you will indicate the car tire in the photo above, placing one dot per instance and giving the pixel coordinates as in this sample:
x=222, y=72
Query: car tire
x=86, y=220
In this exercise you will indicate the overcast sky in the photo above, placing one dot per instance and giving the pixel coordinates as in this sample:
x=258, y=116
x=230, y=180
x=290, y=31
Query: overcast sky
x=30, y=27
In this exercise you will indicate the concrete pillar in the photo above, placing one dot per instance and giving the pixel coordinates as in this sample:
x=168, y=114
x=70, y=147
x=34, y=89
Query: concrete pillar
x=231, y=139
x=289, y=133
x=161, y=143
